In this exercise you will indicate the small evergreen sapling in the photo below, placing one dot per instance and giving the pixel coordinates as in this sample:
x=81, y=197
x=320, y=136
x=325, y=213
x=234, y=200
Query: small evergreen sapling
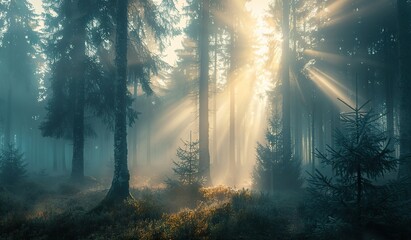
x=187, y=168
x=12, y=165
x=273, y=172
x=361, y=157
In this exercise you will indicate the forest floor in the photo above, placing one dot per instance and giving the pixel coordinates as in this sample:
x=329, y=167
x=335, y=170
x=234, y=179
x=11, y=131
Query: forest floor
x=53, y=208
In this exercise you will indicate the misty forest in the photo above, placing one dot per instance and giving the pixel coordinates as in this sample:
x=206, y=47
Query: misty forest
x=205, y=119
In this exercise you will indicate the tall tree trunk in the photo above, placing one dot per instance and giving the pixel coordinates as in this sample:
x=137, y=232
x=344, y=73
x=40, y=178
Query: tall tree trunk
x=7, y=132
x=215, y=97
x=389, y=83
x=204, y=165
x=120, y=185
x=135, y=130
x=404, y=37
x=286, y=82
x=232, y=163
x=148, y=160
x=63, y=155
x=55, y=157
x=313, y=135
x=77, y=170
x=233, y=154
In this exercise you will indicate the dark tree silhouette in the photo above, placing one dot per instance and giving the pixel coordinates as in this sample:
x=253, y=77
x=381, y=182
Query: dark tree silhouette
x=12, y=165
x=361, y=156
x=120, y=185
x=272, y=172
x=203, y=91
x=17, y=65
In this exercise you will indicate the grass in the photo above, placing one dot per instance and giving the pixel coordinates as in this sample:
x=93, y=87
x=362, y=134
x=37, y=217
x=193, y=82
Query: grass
x=33, y=210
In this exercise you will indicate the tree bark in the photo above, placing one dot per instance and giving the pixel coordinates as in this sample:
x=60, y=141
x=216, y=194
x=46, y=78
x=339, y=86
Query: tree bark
x=77, y=169
x=119, y=190
x=63, y=155
x=7, y=132
x=204, y=165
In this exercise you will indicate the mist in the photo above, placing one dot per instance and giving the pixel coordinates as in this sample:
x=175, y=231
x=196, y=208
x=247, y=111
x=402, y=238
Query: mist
x=223, y=119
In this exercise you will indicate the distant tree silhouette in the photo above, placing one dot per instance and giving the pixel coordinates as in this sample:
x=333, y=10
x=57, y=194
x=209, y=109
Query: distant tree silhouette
x=19, y=48
x=273, y=171
x=12, y=165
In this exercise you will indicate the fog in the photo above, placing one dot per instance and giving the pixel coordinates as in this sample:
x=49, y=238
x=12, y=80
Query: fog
x=205, y=119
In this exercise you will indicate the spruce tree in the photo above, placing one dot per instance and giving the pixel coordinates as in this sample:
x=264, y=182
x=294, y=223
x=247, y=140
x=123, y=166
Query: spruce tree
x=186, y=169
x=19, y=43
x=72, y=73
x=12, y=165
x=360, y=157
x=273, y=171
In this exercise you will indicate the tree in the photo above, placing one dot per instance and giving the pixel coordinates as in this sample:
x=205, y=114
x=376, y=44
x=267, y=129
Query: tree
x=361, y=156
x=66, y=50
x=203, y=91
x=286, y=111
x=120, y=185
x=187, y=168
x=12, y=165
x=272, y=172
x=18, y=61
x=238, y=50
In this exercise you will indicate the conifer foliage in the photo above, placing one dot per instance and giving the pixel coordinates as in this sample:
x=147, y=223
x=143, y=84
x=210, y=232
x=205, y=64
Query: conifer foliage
x=12, y=165
x=273, y=172
x=360, y=157
x=187, y=168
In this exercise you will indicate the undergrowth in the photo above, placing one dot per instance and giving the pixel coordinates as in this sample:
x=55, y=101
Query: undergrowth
x=217, y=213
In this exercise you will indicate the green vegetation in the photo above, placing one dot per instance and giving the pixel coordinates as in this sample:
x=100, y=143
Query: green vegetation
x=12, y=165
x=273, y=171
x=351, y=202
x=33, y=211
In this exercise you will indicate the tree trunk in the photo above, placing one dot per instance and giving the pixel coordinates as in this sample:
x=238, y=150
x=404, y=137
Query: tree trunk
x=77, y=170
x=389, y=95
x=120, y=185
x=286, y=82
x=63, y=156
x=404, y=38
x=215, y=98
x=135, y=130
x=313, y=135
x=204, y=165
x=55, y=165
x=7, y=133
x=232, y=163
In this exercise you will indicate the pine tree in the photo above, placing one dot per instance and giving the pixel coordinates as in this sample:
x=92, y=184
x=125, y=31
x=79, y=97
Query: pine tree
x=272, y=171
x=12, y=165
x=285, y=83
x=361, y=156
x=76, y=42
x=19, y=47
x=203, y=90
x=72, y=74
x=187, y=168
x=119, y=189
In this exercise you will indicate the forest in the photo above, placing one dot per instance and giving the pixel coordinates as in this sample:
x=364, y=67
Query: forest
x=205, y=119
